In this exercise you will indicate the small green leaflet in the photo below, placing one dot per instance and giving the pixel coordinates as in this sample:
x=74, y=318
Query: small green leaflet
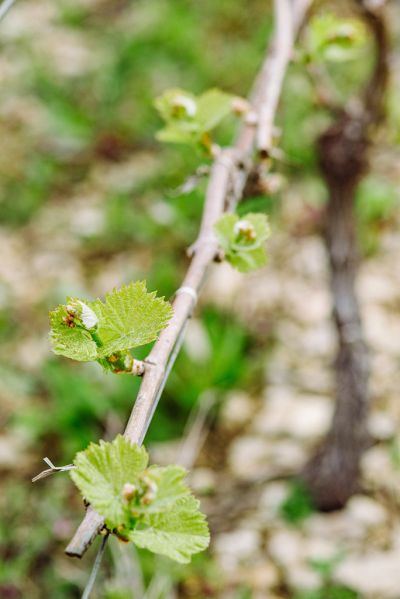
x=243, y=240
x=177, y=532
x=334, y=38
x=129, y=317
x=150, y=506
x=190, y=118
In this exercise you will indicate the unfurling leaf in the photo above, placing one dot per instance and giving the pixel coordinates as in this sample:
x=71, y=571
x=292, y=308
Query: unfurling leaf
x=212, y=107
x=129, y=317
x=189, y=118
x=176, y=104
x=243, y=240
x=150, y=506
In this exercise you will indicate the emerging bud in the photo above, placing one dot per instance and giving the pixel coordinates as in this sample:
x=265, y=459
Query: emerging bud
x=151, y=489
x=69, y=321
x=73, y=310
x=137, y=367
x=128, y=362
x=88, y=317
x=183, y=106
x=129, y=491
x=240, y=106
x=243, y=229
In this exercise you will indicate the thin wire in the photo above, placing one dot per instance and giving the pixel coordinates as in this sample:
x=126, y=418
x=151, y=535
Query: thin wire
x=95, y=569
x=5, y=7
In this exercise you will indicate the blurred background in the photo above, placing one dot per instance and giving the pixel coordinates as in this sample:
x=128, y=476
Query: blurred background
x=90, y=200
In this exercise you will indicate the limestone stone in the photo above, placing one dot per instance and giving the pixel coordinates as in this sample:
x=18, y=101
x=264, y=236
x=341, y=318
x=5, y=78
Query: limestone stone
x=381, y=426
x=305, y=416
x=366, y=511
x=234, y=547
x=374, y=575
x=237, y=409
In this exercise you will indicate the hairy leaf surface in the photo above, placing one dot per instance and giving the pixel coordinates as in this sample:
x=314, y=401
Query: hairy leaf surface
x=130, y=316
x=190, y=118
x=102, y=471
x=177, y=532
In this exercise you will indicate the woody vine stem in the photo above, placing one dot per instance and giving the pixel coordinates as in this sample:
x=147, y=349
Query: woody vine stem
x=228, y=177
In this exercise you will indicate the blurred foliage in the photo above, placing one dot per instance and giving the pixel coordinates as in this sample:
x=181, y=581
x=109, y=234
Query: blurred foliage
x=330, y=38
x=329, y=592
x=377, y=204
x=297, y=505
x=328, y=589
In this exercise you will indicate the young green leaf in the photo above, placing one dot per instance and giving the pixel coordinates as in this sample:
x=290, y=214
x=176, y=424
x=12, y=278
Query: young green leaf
x=102, y=471
x=188, y=118
x=248, y=261
x=177, y=532
x=213, y=106
x=243, y=240
x=128, y=318
x=153, y=507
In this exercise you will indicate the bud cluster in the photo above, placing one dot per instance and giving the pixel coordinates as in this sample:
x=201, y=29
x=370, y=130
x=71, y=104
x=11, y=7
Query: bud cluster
x=183, y=106
x=141, y=494
x=244, y=231
x=121, y=361
x=79, y=314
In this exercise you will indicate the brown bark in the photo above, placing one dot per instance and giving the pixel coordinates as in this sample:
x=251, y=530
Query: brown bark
x=333, y=472
x=332, y=475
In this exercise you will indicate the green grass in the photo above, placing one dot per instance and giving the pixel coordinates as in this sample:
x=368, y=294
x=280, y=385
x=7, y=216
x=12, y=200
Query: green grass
x=298, y=504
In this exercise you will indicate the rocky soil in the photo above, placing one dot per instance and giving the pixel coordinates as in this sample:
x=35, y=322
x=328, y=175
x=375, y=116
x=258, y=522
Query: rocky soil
x=273, y=434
